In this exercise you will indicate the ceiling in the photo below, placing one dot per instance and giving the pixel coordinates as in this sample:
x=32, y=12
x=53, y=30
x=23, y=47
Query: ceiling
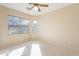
x=21, y=7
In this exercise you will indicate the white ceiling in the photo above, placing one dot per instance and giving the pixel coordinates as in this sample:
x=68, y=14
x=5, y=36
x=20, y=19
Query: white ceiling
x=21, y=7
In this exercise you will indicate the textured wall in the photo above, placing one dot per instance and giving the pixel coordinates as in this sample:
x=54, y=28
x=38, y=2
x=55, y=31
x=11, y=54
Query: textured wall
x=61, y=27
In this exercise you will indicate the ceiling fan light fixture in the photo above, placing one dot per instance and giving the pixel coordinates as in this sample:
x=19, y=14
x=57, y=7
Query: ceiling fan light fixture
x=36, y=8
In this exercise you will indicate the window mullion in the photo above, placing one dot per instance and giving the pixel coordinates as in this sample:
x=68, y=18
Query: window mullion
x=20, y=26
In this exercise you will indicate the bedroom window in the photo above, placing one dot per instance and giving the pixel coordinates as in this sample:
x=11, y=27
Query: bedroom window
x=13, y=25
x=24, y=25
x=34, y=25
x=16, y=25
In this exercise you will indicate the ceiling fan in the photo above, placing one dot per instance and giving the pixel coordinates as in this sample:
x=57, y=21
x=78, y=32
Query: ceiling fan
x=36, y=6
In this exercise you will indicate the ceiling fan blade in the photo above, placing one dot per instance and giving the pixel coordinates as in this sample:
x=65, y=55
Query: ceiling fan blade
x=30, y=8
x=43, y=5
x=39, y=9
x=30, y=3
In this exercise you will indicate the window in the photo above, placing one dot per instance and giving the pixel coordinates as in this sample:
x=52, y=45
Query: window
x=17, y=25
x=13, y=24
x=24, y=25
x=34, y=25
